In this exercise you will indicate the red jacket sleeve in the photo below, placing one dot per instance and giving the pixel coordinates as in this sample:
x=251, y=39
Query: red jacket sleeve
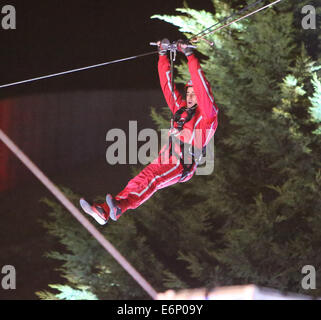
x=173, y=98
x=202, y=89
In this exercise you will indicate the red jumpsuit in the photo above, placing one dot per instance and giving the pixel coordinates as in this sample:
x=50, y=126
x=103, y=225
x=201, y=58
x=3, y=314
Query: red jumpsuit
x=167, y=169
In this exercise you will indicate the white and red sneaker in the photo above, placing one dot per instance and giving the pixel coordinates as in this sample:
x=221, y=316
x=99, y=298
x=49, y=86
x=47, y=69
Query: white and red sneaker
x=96, y=211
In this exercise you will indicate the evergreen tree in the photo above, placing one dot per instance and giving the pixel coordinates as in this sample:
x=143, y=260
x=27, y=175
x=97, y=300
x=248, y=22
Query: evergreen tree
x=256, y=219
x=262, y=79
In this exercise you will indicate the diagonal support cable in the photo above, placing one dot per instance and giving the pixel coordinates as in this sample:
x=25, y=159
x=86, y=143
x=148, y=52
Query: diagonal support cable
x=195, y=39
x=225, y=19
x=81, y=219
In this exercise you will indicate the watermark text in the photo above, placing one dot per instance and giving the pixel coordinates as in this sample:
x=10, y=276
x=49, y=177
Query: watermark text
x=8, y=280
x=125, y=150
x=8, y=17
x=309, y=20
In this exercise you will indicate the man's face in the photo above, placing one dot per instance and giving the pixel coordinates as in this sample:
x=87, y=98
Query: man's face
x=191, y=99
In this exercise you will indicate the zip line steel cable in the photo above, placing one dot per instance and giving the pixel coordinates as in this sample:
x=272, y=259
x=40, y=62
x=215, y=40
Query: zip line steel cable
x=195, y=38
x=81, y=219
x=76, y=70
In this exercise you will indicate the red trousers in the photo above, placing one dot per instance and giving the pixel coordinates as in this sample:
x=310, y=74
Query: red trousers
x=157, y=175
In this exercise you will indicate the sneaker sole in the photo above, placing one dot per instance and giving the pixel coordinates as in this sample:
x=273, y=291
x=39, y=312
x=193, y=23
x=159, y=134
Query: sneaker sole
x=111, y=206
x=87, y=208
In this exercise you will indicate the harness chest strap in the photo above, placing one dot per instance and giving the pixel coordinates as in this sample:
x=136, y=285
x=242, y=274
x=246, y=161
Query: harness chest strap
x=195, y=153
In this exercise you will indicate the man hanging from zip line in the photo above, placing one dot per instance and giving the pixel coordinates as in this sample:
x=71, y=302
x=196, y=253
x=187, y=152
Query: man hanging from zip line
x=194, y=123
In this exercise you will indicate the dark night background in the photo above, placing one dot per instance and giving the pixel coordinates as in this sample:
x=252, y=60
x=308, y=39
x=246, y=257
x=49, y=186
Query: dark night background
x=61, y=123
x=54, y=36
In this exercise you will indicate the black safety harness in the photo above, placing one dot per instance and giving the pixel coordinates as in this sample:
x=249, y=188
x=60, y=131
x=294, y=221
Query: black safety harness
x=195, y=153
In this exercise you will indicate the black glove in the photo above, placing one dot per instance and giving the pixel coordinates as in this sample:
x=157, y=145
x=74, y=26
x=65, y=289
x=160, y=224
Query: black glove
x=163, y=46
x=182, y=47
